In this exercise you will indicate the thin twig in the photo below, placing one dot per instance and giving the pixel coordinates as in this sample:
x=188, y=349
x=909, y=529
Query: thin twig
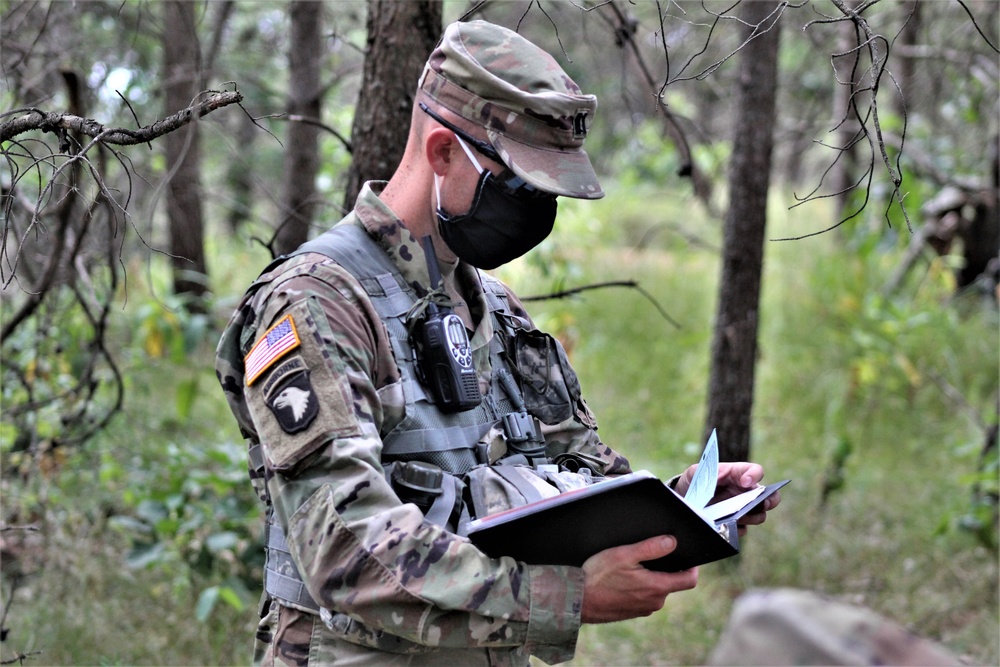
x=20, y=658
x=614, y=283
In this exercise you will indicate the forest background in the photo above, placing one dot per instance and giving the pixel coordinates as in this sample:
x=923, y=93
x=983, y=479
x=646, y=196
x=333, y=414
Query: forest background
x=130, y=232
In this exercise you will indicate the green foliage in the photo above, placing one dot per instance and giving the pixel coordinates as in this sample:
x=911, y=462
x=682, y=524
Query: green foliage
x=56, y=387
x=982, y=517
x=195, y=511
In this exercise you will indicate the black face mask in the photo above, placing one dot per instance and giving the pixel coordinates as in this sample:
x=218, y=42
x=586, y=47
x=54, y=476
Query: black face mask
x=503, y=223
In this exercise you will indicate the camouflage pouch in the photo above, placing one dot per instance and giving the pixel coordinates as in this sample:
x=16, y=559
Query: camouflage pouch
x=493, y=489
x=550, y=386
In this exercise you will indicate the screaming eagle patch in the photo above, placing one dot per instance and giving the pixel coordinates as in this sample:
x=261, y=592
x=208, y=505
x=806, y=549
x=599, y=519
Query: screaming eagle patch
x=290, y=396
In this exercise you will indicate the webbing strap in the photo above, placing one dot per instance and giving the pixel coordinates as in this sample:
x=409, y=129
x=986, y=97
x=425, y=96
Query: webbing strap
x=288, y=590
x=530, y=493
x=256, y=457
x=442, y=507
x=438, y=439
x=287, y=585
x=358, y=256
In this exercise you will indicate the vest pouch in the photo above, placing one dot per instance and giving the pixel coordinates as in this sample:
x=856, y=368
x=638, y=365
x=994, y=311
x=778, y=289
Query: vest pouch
x=436, y=493
x=493, y=489
x=550, y=387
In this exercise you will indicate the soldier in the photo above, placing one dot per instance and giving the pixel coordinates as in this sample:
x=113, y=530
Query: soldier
x=368, y=460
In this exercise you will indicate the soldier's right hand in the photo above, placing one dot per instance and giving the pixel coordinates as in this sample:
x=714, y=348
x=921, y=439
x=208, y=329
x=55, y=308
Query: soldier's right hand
x=617, y=587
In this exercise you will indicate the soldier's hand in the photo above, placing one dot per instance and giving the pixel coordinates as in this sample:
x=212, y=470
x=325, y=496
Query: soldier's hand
x=735, y=478
x=617, y=587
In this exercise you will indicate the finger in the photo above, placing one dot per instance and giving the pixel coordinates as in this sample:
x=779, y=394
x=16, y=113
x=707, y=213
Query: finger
x=753, y=518
x=651, y=549
x=771, y=502
x=684, y=482
x=742, y=475
x=684, y=580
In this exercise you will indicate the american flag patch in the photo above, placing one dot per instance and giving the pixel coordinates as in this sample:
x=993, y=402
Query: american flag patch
x=279, y=340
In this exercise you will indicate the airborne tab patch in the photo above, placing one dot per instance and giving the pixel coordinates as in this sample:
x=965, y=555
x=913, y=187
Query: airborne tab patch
x=279, y=340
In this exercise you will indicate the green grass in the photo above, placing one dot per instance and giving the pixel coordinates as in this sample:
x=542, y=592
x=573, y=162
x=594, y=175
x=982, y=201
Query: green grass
x=840, y=370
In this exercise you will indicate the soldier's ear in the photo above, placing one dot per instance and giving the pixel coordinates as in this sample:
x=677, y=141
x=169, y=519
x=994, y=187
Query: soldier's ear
x=439, y=147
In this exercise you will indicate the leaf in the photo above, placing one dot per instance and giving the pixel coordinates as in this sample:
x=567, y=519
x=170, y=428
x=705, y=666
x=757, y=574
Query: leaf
x=151, y=511
x=230, y=597
x=222, y=541
x=130, y=523
x=143, y=555
x=206, y=603
x=187, y=392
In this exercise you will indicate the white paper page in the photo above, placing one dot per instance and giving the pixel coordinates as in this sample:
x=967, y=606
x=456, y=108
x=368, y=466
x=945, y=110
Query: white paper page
x=730, y=505
x=702, y=487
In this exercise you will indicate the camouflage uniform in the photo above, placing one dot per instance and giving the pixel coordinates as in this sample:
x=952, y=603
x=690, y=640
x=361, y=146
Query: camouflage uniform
x=357, y=547
x=309, y=370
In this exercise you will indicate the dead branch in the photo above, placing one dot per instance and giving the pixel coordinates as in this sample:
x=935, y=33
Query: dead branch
x=20, y=658
x=60, y=123
x=625, y=30
x=65, y=222
x=864, y=84
x=565, y=294
x=878, y=68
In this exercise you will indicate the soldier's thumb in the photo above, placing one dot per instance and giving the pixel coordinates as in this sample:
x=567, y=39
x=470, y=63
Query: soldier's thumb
x=653, y=548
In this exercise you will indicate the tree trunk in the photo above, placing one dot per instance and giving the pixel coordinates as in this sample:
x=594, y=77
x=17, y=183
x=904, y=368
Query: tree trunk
x=734, y=343
x=305, y=57
x=182, y=81
x=845, y=119
x=400, y=37
x=909, y=36
x=239, y=175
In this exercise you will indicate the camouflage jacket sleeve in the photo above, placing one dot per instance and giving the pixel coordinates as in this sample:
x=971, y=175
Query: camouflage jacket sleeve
x=360, y=550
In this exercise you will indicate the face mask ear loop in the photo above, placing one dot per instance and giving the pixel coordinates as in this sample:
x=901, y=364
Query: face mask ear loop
x=472, y=158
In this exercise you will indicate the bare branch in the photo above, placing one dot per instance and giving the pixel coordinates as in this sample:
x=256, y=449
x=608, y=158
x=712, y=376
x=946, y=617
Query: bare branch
x=20, y=658
x=978, y=29
x=295, y=118
x=863, y=108
x=614, y=283
x=59, y=123
x=625, y=36
x=55, y=205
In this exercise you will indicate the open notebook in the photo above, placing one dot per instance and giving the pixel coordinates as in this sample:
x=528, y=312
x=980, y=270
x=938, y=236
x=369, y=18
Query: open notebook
x=569, y=528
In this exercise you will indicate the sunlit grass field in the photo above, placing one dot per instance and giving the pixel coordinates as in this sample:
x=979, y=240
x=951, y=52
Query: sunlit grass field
x=869, y=404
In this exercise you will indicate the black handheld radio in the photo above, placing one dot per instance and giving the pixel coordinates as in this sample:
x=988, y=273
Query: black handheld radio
x=443, y=353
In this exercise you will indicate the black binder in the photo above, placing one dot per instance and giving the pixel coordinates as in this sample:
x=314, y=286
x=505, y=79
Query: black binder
x=569, y=528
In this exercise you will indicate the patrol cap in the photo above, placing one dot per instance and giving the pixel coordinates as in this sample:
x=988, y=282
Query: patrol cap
x=535, y=115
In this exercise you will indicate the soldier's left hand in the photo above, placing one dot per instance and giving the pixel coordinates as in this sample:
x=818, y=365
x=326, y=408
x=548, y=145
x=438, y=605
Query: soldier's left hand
x=736, y=478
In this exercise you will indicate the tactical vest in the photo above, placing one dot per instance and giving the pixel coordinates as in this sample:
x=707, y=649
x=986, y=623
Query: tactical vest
x=425, y=433
x=448, y=441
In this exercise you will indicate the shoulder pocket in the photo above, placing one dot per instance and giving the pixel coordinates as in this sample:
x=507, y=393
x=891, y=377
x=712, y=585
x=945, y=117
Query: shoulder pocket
x=303, y=399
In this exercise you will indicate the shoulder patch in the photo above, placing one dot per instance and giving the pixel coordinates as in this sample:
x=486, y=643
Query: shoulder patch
x=291, y=397
x=278, y=341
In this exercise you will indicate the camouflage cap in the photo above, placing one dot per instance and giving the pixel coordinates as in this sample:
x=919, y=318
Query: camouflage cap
x=535, y=115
